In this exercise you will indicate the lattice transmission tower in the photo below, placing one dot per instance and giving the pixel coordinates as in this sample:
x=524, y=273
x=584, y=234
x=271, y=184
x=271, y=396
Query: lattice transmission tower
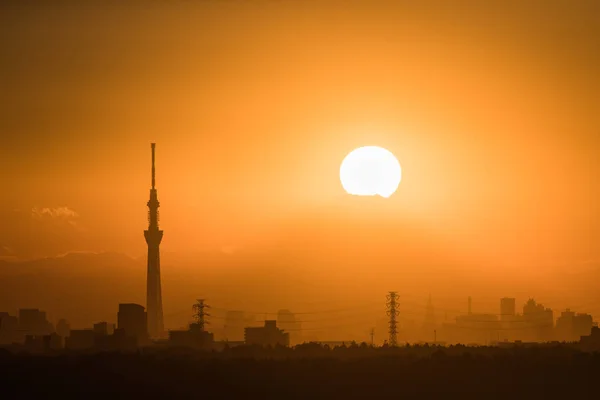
x=392, y=312
x=200, y=313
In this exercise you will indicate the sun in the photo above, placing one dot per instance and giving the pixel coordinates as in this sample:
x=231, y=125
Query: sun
x=370, y=171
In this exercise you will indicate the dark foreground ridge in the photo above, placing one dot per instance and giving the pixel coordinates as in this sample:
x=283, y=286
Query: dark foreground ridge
x=307, y=372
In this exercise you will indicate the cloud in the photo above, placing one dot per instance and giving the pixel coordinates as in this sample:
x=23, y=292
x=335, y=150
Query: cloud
x=57, y=216
x=84, y=252
x=64, y=213
x=33, y=232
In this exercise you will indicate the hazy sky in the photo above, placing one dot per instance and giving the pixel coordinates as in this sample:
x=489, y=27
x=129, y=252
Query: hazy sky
x=493, y=112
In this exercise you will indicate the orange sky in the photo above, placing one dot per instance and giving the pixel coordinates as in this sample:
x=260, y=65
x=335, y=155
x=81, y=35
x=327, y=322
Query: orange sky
x=492, y=112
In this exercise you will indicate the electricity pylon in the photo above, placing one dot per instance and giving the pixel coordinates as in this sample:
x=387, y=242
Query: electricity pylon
x=200, y=313
x=392, y=311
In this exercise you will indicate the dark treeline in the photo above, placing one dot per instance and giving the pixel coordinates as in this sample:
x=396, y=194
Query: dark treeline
x=306, y=372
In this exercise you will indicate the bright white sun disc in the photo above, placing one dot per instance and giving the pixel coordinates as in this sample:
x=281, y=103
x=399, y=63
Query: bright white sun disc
x=370, y=171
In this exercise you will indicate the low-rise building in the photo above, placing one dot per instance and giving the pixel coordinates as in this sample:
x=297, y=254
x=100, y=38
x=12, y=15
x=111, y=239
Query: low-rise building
x=591, y=342
x=132, y=318
x=194, y=337
x=117, y=341
x=268, y=335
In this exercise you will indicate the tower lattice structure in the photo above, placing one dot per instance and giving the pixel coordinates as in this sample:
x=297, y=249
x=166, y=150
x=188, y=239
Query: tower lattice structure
x=200, y=313
x=392, y=312
x=153, y=237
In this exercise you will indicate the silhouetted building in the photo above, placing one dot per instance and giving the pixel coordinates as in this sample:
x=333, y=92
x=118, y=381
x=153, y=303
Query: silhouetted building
x=80, y=339
x=33, y=343
x=43, y=343
x=195, y=337
x=53, y=341
x=570, y=327
x=508, y=308
x=511, y=323
x=9, y=329
x=583, y=324
x=132, y=319
x=591, y=342
x=286, y=321
x=268, y=335
x=34, y=322
x=103, y=328
x=472, y=328
x=153, y=237
x=538, y=322
x=481, y=329
x=117, y=341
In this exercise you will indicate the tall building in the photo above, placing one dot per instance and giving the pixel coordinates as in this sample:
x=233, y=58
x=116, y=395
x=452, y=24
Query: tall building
x=153, y=238
x=507, y=308
x=132, y=319
x=539, y=320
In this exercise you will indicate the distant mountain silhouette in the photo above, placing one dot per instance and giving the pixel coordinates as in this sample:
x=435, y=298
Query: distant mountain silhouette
x=76, y=285
x=87, y=287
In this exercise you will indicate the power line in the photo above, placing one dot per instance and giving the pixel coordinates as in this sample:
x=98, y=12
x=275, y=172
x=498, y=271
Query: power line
x=393, y=312
x=336, y=310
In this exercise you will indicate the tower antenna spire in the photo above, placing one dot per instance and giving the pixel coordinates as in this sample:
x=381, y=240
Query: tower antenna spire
x=153, y=145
